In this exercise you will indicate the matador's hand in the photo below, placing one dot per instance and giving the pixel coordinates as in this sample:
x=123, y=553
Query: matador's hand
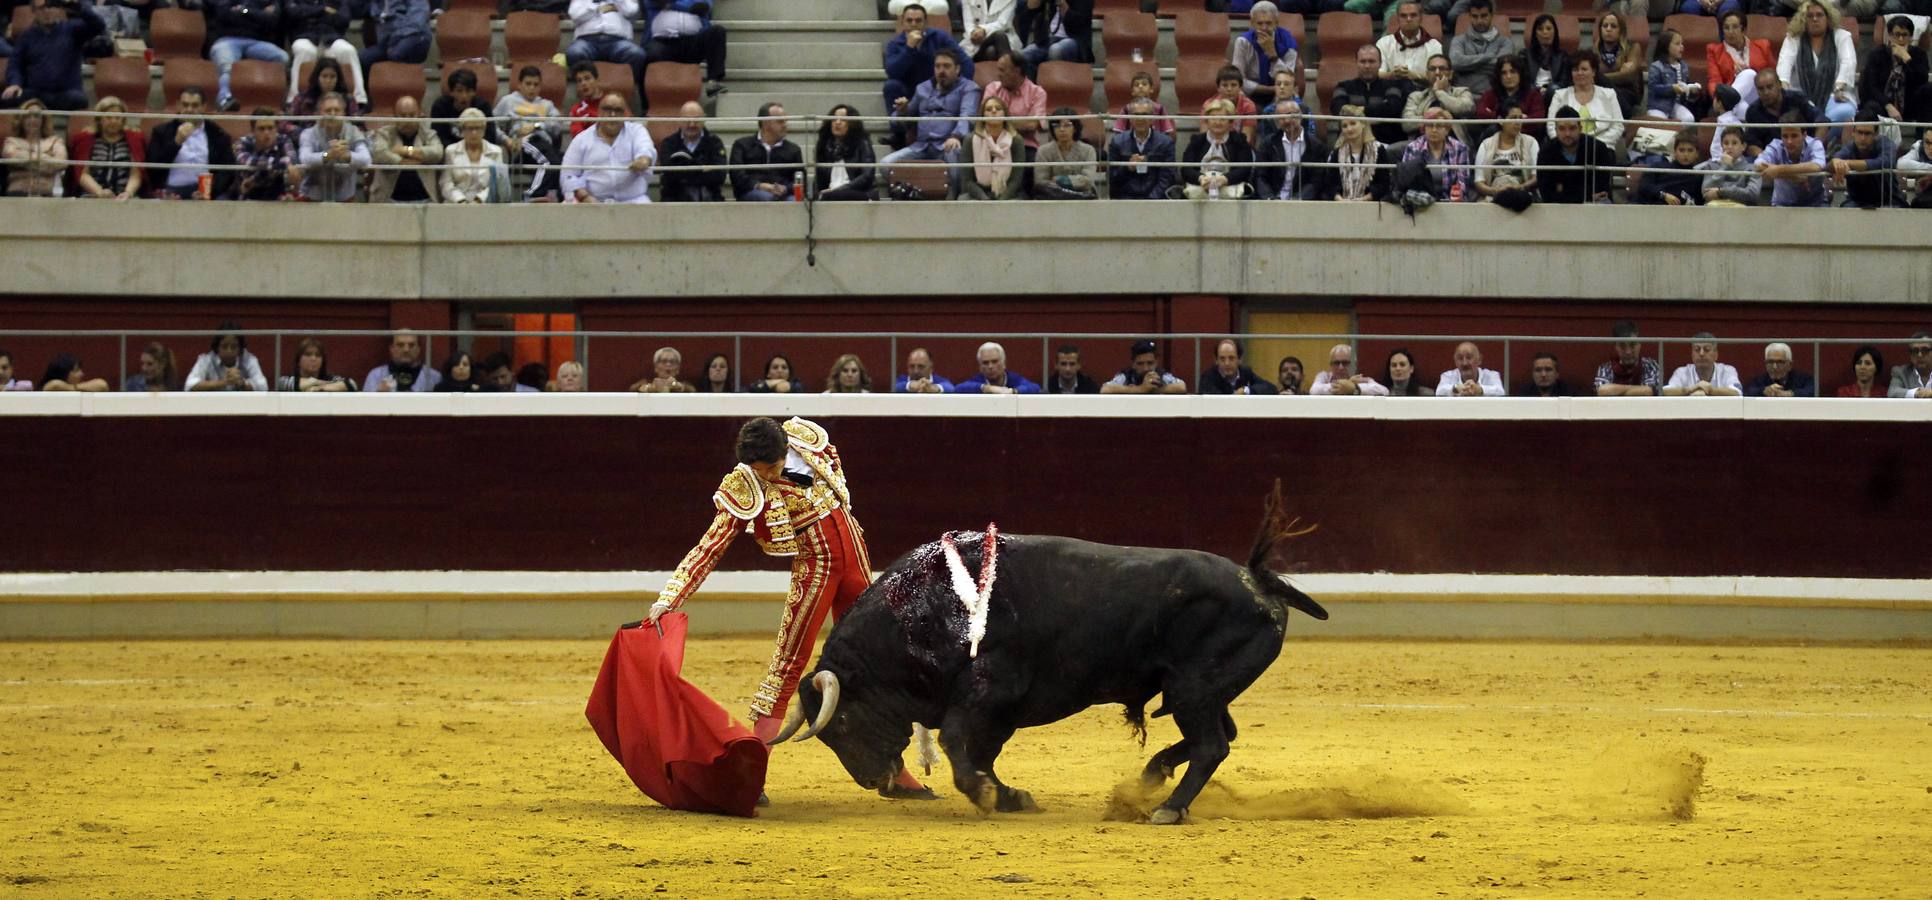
x=658, y=609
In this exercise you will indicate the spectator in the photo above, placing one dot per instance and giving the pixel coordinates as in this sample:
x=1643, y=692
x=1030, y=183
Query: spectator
x=1914, y=379
x=1729, y=116
x=532, y=378
x=1218, y=162
x=64, y=374
x=1059, y=30
x=1264, y=50
x=1868, y=374
x=498, y=376
x=1513, y=88
x=267, y=152
x=1779, y=379
x=603, y=34
x=1864, y=167
x=1400, y=377
x=1143, y=374
x=1706, y=7
x=1893, y=72
x=1544, y=381
x=459, y=93
x=1358, y=166
x=199, y=146
x=157, y=371
x=948, y=99
x=1440, y=93
x=7, y=381
x=1507, y=159
x=1227, y=86
x=1446, y=157
x=1285, y=99
x=227, y=366
x=1620, y=63
x=402, y=34
x=778, y=378
x=986, y=160
x=1406, y=48
x=1572, y=147
x=589, y=92
x=1731, y=177
x=1915, y=168
x=242, y=29
x=1795, y=166
x=666, y=364
x=315, y=30
x=457, y=376
x=1288, y=375
x=1479, y=48
x=1469, y=378
x=1376, y=96
x=1774, y=104
x=405, y=372
x=1129, y=175
x=312, y=371
x=993, y=377
x=46, y=61
x=912, y=55
x=107, y=157
x=532, y=136
x=1704, y=375
x=1280, y=175
x=1025, y=101
x=406, y=143
x=895, y=7
x=1067, y=163
x=35, y=157
x=769, y=147
x=682, y=31
x=473, y=168
x=1818, y=60
x=1068, y=377
x=1598, y=109
x=1142, y=87
x=1677, y=184
x=848, y=376
x=691, y=146
x=324, y=79
x=1228, y=375
x=622, y=146
x=334, y=154
x=988, y=27
x=1737, y=59
x=843, y=162
x=571, y=378
x=919, y=377
x=1672, y=93
x=1544, y=58
x=1629, y=374
x=717, y=376
x=1341, y=379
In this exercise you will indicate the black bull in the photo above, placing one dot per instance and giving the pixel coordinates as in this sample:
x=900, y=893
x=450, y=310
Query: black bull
x=1070, y=624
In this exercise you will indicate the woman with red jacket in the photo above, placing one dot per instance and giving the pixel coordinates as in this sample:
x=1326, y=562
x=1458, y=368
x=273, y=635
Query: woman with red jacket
x=1736, y=59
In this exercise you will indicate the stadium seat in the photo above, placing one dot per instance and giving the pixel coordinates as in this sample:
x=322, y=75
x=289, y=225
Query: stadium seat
x=1640, y=34
x=1108, y=7
x=1199, y=33
x=308, y=68
x=1697, y=31
x=1067, y=84
x=181, y=72
x=1340, y=33
x=392, y=81
x=531, y=35
x=1331, y=73
x=176, y=34
x=1194, y=84
x=1125, y=32
x=463, y=35
x=1119, y=82
x=486, y=84
x=617, y=77
x=983, y=75
x=254, y=83
x=556, y=79
x=1569, y=33
x=667, y=87
x=1432, y=24
x=488, y=8
x=1768, y=28
x=124, y=77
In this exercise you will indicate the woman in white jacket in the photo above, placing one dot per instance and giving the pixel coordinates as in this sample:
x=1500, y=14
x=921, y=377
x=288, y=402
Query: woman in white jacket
x=1597, y=106
x=988, y=32
x=474, y=165
x=1818, y=61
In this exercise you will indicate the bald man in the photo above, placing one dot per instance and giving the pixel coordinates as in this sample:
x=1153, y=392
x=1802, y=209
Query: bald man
x=692, y=145
x=1469, y=378
x=1341, y=379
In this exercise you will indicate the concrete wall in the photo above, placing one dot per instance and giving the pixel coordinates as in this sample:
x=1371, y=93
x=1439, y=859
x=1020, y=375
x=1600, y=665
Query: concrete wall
x=1012, y=249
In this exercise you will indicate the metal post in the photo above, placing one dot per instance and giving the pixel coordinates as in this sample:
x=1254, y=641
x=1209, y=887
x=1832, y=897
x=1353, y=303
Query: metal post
x=583, y=355
x=1197, y=359
x=123, y=359
x=278, y=362
x=738, y=357
x=1506, y=381
x=1046, y=361
x=892, y=350
x=1818, y=371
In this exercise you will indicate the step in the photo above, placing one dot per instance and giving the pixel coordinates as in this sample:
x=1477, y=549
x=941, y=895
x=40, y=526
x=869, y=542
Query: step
x=799, y=102
x=763, y=81
x=807, y=56
x=799, y=10
x=774, y=31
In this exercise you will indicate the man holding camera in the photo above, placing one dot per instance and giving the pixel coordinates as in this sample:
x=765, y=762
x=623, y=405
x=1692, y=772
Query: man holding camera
x=405, y=370
x=1144, y=375
x=46, y=60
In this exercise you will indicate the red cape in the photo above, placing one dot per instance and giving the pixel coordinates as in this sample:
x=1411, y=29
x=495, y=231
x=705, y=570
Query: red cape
x=679, y=746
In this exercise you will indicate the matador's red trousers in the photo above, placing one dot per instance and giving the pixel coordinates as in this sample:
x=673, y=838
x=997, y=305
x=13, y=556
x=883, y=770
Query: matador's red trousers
x=828, y=575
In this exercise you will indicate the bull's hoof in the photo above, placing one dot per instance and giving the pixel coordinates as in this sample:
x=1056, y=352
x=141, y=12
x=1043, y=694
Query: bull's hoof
x=985, y=798
x=764, y=799
x=896, y=792
x=1017, y=801
x=1164, y=816
x=1155, y=775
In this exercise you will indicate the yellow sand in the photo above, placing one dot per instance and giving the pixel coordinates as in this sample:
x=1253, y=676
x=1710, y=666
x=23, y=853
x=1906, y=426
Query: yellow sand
x=1362, y=770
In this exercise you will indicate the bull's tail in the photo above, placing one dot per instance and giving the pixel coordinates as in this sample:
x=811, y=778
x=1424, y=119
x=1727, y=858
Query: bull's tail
x=1278, y=526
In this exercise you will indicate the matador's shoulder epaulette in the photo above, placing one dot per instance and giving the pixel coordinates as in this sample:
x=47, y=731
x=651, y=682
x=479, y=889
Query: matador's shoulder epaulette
x=740, y=494
x=806, y=434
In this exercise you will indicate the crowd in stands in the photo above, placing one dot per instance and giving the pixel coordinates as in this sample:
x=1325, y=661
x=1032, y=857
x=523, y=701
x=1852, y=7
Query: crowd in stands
x=1617, y=120
x=229, y=365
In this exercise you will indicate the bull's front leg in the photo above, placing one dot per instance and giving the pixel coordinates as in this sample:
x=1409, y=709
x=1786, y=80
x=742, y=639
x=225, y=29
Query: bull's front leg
x=971, y=745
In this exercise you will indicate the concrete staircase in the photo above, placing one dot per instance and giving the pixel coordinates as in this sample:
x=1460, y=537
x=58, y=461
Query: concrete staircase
x=808, y=55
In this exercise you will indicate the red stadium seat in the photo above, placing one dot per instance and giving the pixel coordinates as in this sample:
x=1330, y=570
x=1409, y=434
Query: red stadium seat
x=486, y=84
x=1108, y=7
x=670, y=85
x=1331, y=73
x=392, y=81
x=1768, y=28
x=1342, y=33
x=1697, y=31
x=1201, y=33
x=1569, y=33
x=486, y=7
x=181, y=72
x=983, y=75
x=462, y=35
x=1067, y=84
x=617, y=77
x=1123, y=33
x=176, y=34
x=531, y=35
x=1194, y=84
x=1120, y=81
x=124, y=77
x=254, y=83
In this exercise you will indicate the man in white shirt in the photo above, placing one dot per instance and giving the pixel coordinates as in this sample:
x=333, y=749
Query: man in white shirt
x=1340, y=379
x=1406, y=49
x=1469, y=378
x=603, y=34
x=1704, y=376
x=682, y=31
x=615, y=141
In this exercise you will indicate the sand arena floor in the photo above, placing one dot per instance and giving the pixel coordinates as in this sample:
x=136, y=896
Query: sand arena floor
x=1362, y=769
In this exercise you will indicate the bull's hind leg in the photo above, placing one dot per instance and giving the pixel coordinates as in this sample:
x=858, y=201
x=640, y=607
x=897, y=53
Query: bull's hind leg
x=971, y=747
x=1201, y=724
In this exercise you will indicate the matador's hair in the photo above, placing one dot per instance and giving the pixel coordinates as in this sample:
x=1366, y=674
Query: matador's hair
x=761, y=441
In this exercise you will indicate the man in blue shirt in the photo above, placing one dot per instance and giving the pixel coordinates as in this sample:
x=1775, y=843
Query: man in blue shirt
x=910, y=55
x=46, y=61
x=993, y=378
x=947, y=98
x=1795, y=165
x=402, y=33
x=919, y=377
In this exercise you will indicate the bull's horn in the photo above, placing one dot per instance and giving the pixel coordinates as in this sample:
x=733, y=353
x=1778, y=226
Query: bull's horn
x=827, y=683
x=793, y=719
